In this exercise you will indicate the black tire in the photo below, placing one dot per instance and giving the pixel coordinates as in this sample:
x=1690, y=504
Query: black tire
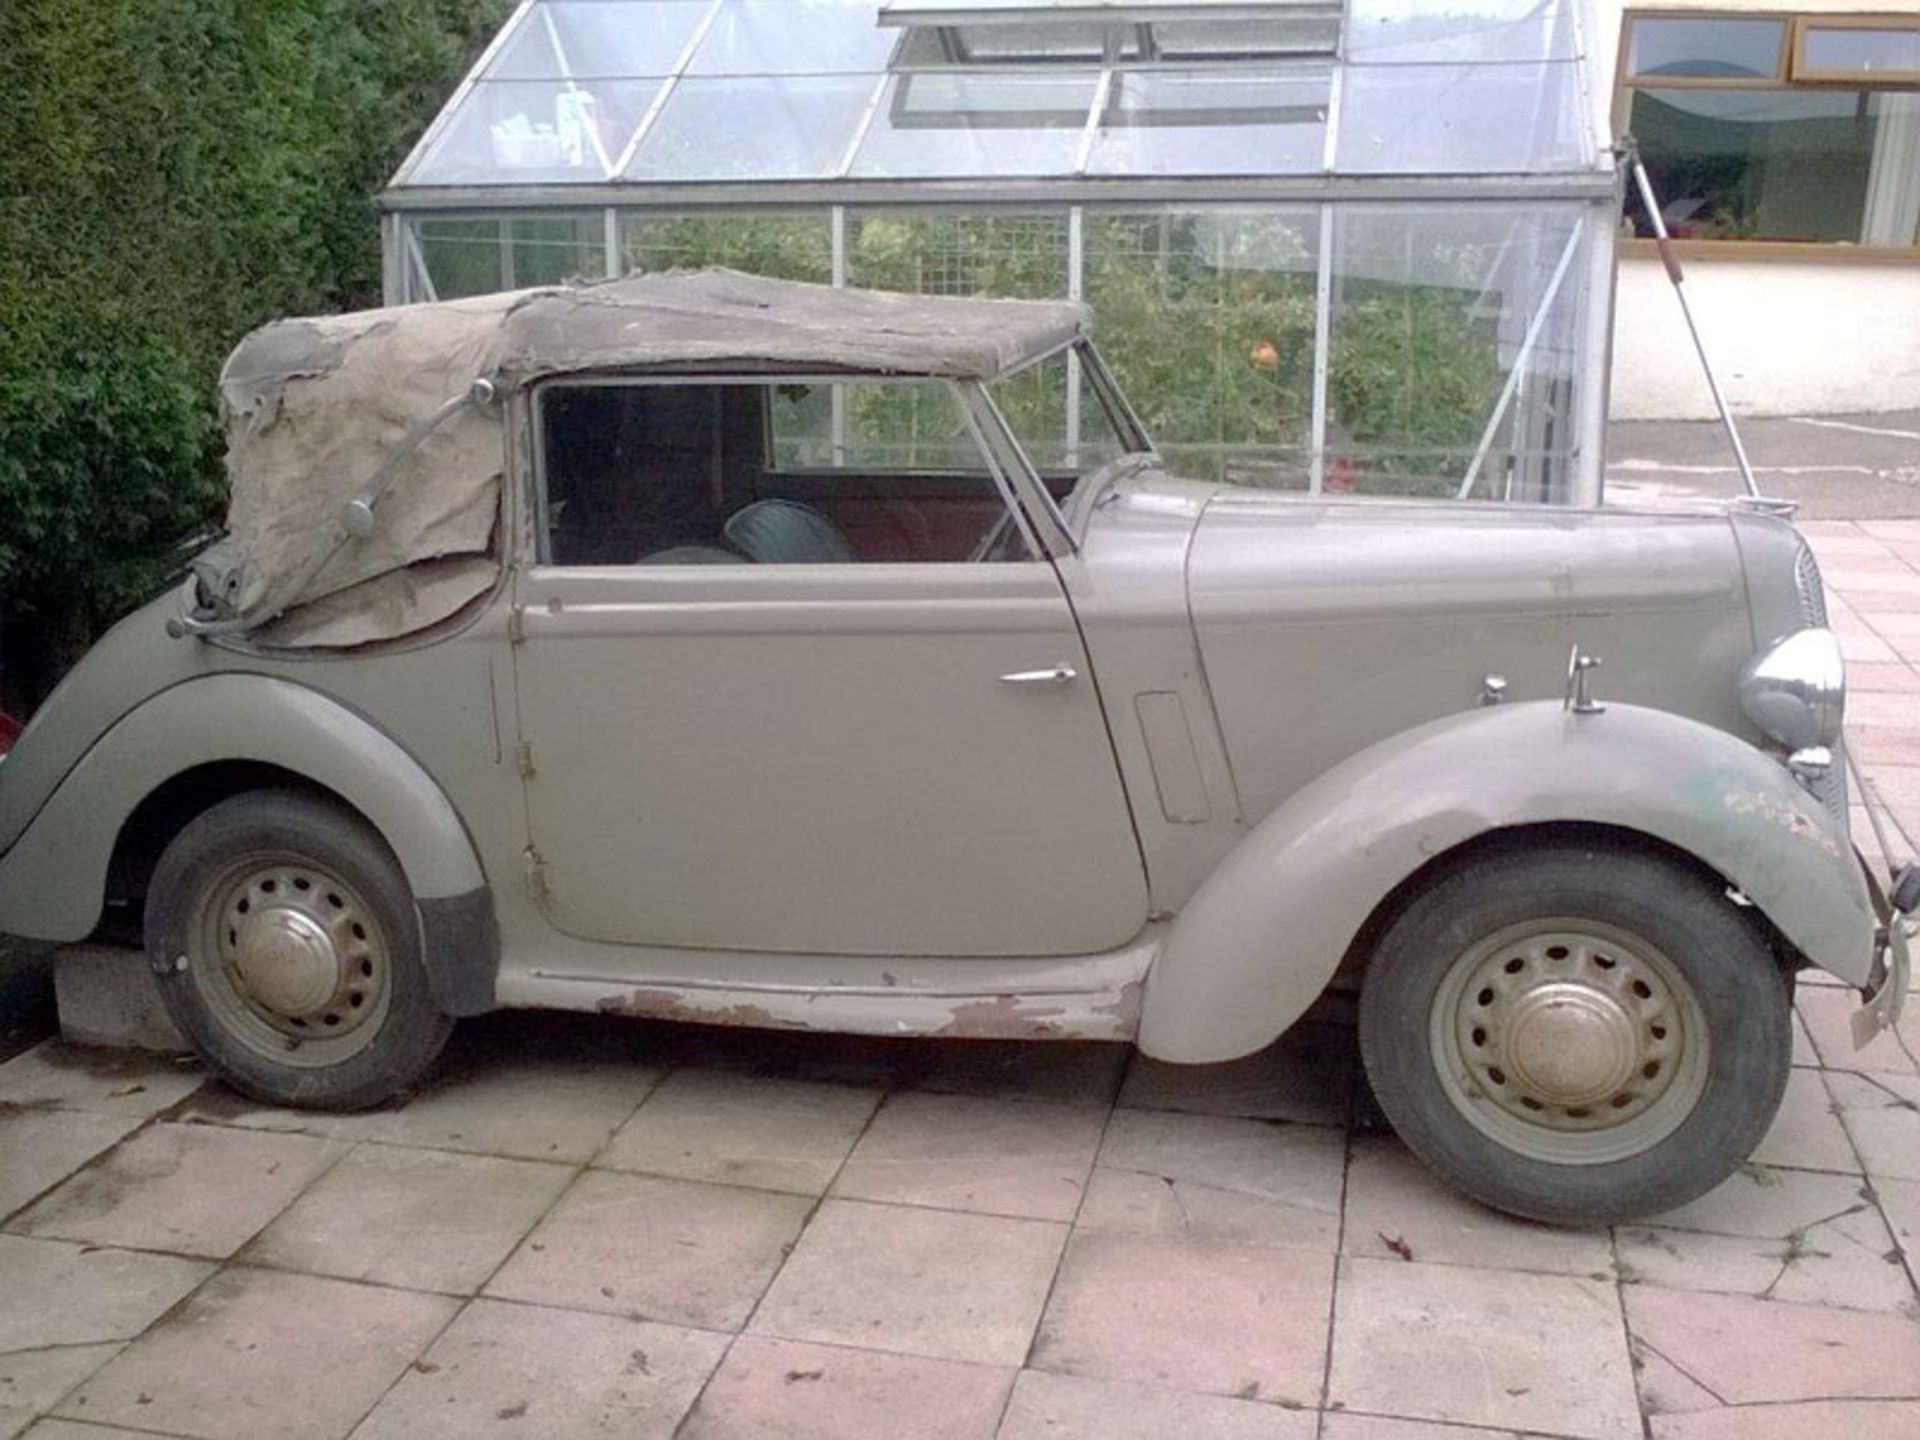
x=375, y=1034
x=1418, y=1018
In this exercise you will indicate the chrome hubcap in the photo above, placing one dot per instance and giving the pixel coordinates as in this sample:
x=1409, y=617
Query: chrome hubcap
x=299, y=962
x=286, y=960
x=1569, y=1044
x=1569, y=1041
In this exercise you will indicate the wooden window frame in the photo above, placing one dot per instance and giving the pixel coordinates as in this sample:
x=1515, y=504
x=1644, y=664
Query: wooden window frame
x=1787, y=77
x=1799, y=72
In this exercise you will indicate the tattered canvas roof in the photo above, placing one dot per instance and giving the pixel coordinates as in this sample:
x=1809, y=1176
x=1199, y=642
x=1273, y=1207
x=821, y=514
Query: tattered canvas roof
x=315, y=408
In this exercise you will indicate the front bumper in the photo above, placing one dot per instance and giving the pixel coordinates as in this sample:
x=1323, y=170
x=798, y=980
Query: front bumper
x=1886, y=991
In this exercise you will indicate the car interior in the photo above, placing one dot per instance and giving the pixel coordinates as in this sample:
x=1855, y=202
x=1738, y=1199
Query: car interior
x=725, y=474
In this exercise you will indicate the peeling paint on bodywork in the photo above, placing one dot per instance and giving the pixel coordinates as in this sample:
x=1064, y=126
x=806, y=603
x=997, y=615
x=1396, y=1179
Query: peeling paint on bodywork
x=1125, y=1009
x=1745, y=801
x=1003, y=1018
x=671, y=1005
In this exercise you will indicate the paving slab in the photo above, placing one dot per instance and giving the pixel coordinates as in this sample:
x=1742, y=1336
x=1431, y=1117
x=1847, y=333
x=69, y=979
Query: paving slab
x=1397, y=1208
x=74, y=1430
x=1071, y=1407
x=1499, y=1349
x=68, y=1309
x=1882, y=1115
x=60, y=1295
x=936, y=1283
x=1340, y=1425
x=520, y=1106
x=1900, y=1203
x=33, y=1382
x=113, y=1082
x=1847, y=1260
x=1308, y=1076
x=189, y=1189
x=524, y=1107
x=655, y=1249
x=42, y=1146
x=1023, y=1158
x=1821, y=1420
x=255, y=1353
x=1744, y=1350
x=1213, y=1177
x=1807, y=1133
x=1664, y=1388
x=1249, y=1321
x=772, y=1389
x=1768, y=1204
x=733, y=1129
x=514, y=1372
x=1066, y=1073
x=419, y=1219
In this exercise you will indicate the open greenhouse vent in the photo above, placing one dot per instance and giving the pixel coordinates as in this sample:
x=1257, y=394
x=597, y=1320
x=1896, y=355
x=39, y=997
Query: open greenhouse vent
x=1134, y=32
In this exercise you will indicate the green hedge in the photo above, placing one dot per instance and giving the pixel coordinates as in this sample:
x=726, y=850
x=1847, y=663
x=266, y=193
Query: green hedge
x=172, y=173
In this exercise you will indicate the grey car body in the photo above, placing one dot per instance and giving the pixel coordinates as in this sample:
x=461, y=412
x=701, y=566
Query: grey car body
x=1158, y=779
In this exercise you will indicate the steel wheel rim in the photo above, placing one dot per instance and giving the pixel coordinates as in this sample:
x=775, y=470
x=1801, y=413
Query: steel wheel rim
x=1569, y=1041
x=293, y=962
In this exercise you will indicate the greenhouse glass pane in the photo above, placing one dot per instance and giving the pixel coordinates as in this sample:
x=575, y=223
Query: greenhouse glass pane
x=552, y=249
x=793, y=37
x=1462, y=120
x=786, y=246
x=948, y=253
x=463, y=257
x=1432, y=309
x=468, y=256
x=1192, y=122
x=1206, y=316
x=1178, y=40
x=1382, y=32
x=758, y=128
x=1742, y=49
x=933, y=124
x=598, y=39
x=515, y=133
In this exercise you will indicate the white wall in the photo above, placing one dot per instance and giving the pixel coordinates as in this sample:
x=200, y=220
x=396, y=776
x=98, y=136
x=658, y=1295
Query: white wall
x=1785, y=336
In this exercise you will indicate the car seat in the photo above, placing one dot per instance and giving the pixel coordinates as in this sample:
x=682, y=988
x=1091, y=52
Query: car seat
x=785, y=532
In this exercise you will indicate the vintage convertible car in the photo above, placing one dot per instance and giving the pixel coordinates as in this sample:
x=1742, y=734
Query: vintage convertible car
x=756, y=653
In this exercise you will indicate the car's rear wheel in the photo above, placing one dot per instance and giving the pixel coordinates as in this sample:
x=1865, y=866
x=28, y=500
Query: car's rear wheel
x=1580, y=1034
x=285, y=939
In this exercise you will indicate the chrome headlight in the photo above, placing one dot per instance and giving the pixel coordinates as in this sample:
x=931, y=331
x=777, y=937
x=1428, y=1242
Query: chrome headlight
x=1797, y=691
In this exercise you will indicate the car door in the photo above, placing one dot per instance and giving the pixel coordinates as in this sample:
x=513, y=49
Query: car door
x=793, y=707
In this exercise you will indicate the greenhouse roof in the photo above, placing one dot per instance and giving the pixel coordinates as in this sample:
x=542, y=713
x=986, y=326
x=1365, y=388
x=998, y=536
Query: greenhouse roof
x=602, y=99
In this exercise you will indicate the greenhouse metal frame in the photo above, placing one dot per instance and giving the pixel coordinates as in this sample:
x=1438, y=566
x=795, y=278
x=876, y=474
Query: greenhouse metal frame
x=1363, y=246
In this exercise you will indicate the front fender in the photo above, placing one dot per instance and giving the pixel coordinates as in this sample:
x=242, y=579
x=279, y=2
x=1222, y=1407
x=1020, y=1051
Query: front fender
x=1268, y=928
x=53, y=879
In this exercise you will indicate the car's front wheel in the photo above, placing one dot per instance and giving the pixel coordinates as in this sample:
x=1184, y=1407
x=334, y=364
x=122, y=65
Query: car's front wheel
x=1577, y=1033
x=285, y=939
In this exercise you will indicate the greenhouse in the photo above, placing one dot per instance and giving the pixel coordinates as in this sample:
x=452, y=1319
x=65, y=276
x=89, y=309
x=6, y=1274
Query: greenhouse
x=1361, y=246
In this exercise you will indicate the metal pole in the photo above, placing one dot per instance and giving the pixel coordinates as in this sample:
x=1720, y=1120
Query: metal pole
x=1629, y=151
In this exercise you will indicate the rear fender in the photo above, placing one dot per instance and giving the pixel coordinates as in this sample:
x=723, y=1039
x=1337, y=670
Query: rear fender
x=1268, y=928
x=53, y=879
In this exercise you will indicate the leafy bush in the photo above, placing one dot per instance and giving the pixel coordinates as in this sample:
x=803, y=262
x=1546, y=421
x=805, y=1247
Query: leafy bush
x=173, y=173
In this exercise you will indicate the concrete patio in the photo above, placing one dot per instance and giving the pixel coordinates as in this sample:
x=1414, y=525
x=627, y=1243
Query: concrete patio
x=591, y=1228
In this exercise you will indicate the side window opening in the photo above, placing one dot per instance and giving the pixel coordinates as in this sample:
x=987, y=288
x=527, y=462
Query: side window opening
x=785, y=473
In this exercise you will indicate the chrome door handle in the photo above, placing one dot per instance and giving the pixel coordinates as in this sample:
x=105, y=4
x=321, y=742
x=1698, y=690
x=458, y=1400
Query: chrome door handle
x=1056, y=675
